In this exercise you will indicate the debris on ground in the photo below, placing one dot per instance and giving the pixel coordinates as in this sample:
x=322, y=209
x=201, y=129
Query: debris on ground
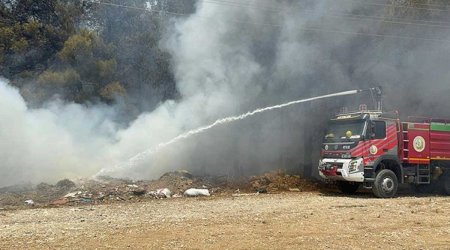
x=194, y=192
x=173, y=184
x=275, y=181
x=261, y=190
x=160, y=193
x=60, y=202
x=29, y=202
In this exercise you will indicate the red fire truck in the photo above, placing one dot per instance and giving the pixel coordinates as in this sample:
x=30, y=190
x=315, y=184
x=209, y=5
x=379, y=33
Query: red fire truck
x=378, y=151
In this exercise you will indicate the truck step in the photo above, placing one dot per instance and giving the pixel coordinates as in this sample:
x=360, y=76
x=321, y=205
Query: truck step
x=423, y=174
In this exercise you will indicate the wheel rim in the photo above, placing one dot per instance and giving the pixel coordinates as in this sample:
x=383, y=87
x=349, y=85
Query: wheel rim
x=387, y=185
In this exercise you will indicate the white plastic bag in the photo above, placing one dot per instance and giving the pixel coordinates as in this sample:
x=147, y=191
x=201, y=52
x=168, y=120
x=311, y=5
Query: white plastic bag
x=192, y=192
x=29, y=202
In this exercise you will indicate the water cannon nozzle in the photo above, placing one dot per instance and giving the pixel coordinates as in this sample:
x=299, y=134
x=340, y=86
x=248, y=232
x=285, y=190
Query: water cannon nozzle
x=378, y=90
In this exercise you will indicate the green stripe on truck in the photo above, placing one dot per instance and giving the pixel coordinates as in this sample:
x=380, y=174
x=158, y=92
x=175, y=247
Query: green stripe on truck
x=440, y=127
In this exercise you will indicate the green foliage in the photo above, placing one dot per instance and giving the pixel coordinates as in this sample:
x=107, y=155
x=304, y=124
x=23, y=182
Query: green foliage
x=78, y=47
x=112, y=90
x=6, y=35
x=59, y=79
x=106, y=68
x=84, y=51
x=31, y=28
x=19, y=45
x=32, y=32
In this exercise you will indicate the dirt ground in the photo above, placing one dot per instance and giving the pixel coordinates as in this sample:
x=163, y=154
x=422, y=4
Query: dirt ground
x=289, y=220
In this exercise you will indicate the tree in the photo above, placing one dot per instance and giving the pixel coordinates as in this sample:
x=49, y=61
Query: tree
x=78, y=48
x=92, y=59
x=142, y=66
x=32, y=32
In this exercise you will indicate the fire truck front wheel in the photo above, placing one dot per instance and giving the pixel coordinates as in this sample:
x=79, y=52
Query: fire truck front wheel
x=386, y=184
x=348, y=187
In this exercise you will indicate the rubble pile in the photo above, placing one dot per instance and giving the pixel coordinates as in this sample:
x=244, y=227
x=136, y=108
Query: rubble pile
x=27, y=195
x=276, y=181
x=94, y=192
x=170, y=185
x=107, y=190
x=178, y=181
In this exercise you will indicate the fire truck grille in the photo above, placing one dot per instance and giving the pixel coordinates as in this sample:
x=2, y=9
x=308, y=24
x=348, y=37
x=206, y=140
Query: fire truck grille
x=337, y=165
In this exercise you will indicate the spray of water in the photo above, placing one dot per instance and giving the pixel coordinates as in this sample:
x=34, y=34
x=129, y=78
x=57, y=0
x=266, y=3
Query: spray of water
x=133, y=161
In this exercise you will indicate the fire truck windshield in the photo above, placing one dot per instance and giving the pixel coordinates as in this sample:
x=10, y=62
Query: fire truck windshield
x=344, y=131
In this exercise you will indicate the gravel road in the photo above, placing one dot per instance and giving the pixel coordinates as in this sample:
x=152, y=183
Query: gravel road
x=277, y=221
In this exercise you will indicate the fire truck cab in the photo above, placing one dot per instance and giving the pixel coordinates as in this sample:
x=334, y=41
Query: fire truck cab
x=378, y=151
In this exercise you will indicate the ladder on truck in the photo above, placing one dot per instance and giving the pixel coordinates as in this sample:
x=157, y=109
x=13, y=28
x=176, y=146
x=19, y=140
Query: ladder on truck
x=423, y=172
x=405, y=141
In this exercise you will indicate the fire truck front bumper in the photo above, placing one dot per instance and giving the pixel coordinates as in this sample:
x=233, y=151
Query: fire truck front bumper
x=342, y=169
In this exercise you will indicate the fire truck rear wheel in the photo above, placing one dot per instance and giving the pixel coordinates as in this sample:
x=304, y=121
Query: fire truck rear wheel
x=348, y=187
x=386, y=184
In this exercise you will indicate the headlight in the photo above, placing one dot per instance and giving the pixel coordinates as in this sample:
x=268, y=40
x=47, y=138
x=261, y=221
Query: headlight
x=353, y=166
x=321, y=165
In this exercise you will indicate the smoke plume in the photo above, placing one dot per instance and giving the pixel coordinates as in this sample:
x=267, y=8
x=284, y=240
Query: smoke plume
x=229, y=58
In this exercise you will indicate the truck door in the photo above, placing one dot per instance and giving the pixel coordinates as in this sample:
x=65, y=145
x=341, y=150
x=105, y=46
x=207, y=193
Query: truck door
x=383, y=140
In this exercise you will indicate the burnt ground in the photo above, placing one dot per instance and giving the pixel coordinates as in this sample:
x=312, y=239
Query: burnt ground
x=293, y=214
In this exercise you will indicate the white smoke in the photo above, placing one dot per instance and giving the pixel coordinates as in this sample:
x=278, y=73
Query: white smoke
x=229, y=60
x=135, y=160
x=49, y=143
x=70, y=140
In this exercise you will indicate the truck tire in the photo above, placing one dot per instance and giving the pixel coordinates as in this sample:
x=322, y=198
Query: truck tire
x=348, y=187
x=385, y=184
